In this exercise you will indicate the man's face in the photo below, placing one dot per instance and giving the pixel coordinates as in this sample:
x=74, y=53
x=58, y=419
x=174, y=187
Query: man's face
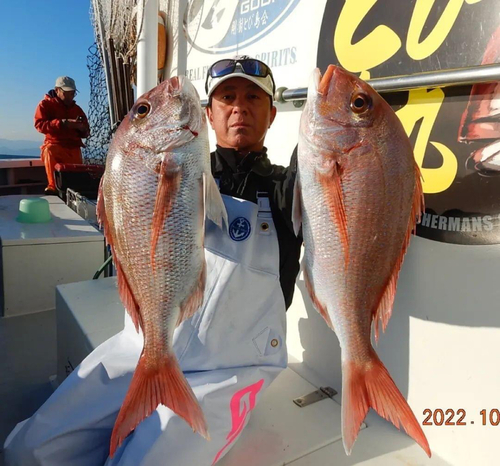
x=240, y=115
x=66, y=96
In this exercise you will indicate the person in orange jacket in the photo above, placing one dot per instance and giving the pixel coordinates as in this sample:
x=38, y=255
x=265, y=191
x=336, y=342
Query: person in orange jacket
x=64, y=124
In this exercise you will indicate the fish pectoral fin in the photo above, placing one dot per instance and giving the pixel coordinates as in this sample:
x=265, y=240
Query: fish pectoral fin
x=331, y=183
x=154, y=383
x=168, y=187
x=369, y=385
x=297, y=207
x=186, y=135
x=215, y=209
x=193, y=302
x=383, y=311
x=320, y=307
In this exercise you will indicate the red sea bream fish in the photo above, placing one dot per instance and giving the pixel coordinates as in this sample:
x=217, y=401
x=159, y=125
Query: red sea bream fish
x=155, y=192
x=357, y=195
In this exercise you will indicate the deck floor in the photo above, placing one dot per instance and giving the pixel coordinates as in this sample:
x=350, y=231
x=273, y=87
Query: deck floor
x=28, y=359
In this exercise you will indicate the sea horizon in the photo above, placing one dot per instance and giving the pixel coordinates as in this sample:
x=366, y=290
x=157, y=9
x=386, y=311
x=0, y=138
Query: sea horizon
x=18, y=157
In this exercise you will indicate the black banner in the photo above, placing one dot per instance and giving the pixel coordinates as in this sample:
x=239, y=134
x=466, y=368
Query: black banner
x=455, y=131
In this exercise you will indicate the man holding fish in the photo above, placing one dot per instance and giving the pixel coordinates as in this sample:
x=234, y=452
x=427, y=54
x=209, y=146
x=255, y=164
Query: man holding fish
x=205, y=329
x=222, y=284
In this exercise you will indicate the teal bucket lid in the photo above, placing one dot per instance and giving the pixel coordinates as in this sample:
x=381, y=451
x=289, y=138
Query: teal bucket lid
x=34, y=210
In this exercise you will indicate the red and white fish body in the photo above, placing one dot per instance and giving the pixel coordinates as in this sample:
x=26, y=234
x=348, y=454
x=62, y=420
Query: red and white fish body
x=155, y=193
x=357, y=196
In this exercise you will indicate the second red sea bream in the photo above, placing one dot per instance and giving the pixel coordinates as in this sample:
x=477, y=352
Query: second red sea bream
x=357, y=196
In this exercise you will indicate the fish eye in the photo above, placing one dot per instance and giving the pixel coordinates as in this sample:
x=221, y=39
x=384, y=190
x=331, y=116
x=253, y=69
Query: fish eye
x=360, y=102
x=142, y=110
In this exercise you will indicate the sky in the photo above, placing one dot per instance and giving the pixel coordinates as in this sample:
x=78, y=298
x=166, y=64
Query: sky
x=39, y=41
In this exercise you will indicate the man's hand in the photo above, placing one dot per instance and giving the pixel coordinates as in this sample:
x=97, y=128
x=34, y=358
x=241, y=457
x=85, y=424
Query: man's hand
x=77, y=124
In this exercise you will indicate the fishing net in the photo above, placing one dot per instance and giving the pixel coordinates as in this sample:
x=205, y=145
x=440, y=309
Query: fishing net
x=112, y=64
x=98, y=115
x=118, y=21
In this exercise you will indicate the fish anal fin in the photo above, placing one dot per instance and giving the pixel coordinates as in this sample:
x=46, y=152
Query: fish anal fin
x=382, y=313
x=334, y=197
x=168, y=186
x=297, y=207
x=195, y=299
x=320, y=307
x=384, y=310
x=154, y=383
x=126, y=295
x=368, y=386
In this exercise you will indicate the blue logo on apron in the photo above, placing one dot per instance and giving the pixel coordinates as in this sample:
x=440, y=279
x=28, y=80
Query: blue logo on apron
x=240, y=229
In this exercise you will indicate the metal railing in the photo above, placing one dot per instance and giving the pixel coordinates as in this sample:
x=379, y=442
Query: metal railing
x=443, y=78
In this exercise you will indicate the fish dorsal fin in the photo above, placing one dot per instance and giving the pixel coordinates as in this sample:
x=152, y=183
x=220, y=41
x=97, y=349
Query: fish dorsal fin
x=334, y=198
x=126, y=295
x=383, y=311
x=169, y=173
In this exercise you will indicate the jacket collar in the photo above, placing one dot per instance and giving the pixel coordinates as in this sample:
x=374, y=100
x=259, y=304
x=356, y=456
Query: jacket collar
x=230, y=160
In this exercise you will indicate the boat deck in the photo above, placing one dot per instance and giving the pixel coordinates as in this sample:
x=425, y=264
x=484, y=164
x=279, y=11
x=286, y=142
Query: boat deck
x=21, y=175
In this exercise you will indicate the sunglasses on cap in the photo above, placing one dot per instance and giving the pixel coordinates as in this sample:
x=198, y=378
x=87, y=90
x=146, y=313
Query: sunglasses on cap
x=250, y=66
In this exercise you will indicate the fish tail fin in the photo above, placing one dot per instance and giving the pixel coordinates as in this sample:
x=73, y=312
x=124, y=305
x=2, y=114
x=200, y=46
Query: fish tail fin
x=162, y=384
x=368, y=386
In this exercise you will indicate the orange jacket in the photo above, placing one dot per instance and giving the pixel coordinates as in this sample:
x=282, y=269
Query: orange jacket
x=49, y=116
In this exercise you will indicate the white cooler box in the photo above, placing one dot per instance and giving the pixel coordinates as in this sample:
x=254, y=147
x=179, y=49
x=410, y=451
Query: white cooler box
x=34, y=258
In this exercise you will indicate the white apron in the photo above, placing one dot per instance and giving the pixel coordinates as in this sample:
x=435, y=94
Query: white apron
x=230, y=351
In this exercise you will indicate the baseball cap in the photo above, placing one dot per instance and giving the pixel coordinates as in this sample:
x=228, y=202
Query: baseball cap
x=241, y=66
x=66, y=83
